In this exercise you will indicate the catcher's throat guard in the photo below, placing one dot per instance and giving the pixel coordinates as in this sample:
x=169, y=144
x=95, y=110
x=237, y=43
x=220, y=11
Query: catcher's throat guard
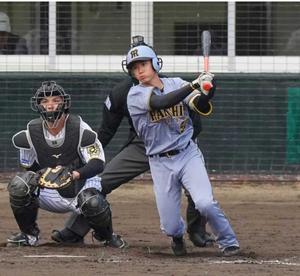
x=55, y=178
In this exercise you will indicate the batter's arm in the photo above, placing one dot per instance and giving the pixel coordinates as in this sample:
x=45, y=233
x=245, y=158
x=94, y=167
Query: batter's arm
x=165, y=101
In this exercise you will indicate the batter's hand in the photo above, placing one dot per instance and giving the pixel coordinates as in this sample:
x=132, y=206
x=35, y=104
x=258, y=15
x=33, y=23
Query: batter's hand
x=204, y=82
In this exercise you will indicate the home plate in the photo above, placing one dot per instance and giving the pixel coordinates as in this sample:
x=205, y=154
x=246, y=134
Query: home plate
x=54, y=256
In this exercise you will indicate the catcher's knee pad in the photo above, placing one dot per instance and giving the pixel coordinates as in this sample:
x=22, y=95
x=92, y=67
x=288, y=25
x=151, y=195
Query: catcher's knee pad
x=94, y=207
x=21, y=189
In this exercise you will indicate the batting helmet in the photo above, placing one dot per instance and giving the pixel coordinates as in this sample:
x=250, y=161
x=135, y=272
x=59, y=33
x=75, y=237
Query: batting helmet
x=141, y=52
x=48, y=89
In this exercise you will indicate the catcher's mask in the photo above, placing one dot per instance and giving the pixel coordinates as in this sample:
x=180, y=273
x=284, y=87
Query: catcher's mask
x=141, y=51
x=48, y=89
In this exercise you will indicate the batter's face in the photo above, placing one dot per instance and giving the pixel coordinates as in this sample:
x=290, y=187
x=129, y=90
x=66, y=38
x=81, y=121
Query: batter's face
x=143, y=71
x=51, y=103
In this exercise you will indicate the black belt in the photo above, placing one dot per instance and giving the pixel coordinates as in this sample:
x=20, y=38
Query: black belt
x=170, y=153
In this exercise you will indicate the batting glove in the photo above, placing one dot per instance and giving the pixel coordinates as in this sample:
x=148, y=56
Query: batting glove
x=203, y=82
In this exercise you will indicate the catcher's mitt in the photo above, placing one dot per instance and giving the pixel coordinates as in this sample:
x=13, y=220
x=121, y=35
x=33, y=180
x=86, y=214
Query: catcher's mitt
x=55, y=178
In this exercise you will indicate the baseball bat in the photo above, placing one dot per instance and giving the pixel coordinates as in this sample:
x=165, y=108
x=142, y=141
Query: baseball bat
x=206, y=43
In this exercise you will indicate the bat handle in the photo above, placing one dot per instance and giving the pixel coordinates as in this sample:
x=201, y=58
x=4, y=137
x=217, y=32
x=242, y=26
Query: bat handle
x=206, y=67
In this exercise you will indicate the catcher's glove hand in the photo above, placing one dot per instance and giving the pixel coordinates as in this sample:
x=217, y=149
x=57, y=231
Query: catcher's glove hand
x=55, y=178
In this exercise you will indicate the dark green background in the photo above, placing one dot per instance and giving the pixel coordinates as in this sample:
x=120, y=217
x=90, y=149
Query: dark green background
x=254, y=127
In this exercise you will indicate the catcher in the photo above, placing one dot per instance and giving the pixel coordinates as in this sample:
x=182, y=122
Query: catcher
x=62, y=157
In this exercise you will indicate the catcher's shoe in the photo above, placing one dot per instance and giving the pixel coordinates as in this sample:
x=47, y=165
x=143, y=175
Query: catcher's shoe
x=116, y=241
x=22, y=239
x=178, y=246
x=66, y=236
x=201, y=239
x=230, y=251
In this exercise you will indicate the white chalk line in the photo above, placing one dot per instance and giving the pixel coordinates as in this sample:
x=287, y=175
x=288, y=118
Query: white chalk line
x=117, y=260
x=260, y=262
x=54, y=256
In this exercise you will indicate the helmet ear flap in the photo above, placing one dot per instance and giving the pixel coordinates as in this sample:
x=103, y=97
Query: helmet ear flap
x=157, y=64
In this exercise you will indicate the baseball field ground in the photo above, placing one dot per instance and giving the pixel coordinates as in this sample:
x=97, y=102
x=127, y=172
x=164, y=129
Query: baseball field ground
x=265, y=217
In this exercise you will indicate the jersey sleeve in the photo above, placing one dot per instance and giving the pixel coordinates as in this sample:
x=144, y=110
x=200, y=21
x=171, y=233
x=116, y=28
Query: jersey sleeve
x=138, y=99
x=27, y=154
x=26, y=157
x=92, y=150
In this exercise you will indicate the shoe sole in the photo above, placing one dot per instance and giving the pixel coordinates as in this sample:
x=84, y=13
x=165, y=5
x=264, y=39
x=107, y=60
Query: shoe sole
x=231, y=253
x=18, y=244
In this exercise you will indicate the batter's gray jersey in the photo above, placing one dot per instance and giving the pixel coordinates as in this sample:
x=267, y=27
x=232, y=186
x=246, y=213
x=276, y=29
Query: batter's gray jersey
x=175, y=128
x=171, y=130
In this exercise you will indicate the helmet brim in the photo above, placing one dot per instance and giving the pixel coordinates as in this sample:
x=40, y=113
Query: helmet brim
x=137, y=59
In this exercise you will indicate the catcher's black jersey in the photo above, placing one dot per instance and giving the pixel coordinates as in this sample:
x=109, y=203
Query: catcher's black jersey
x=115, y=109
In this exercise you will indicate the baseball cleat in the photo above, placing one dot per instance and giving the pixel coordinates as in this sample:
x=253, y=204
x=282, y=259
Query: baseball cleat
x=230, y=251
x=116, y=241
x=22, y=239
x=178, y=246
x=66, y=236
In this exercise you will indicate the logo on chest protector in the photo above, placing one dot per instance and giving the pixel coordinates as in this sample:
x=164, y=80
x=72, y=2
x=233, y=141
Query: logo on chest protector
x=56, y=155
x=174, y=111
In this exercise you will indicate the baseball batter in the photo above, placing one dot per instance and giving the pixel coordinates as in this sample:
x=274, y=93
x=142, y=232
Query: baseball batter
x=64, y=139
x=159, y=111
x=130, y=162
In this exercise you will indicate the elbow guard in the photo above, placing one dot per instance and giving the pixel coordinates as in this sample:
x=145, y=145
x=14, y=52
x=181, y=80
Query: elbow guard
x=199, y=103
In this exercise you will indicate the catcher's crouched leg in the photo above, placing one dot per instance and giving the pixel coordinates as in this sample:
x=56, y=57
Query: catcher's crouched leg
x=24, y=204
x=95, y=208
x=196, y=225
x=76, y=228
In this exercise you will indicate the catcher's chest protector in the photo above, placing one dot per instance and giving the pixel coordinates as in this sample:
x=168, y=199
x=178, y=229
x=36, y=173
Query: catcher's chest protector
x=51, y=156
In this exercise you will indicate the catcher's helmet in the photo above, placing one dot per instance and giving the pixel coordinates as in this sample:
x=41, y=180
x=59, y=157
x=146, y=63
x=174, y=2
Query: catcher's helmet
x=141, y=52
x=48, y=89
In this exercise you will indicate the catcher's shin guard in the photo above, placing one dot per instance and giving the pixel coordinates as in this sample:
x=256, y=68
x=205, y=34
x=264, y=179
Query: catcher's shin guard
x=26, y=217
x=24, y=202
x=108, y=237
x=95, y=208
x=103, y=233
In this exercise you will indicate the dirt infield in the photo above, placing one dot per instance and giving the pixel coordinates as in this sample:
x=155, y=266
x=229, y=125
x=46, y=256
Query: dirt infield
x=265, y=217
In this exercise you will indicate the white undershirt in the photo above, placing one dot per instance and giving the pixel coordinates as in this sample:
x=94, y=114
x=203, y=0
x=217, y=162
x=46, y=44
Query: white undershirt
x=57, y=140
